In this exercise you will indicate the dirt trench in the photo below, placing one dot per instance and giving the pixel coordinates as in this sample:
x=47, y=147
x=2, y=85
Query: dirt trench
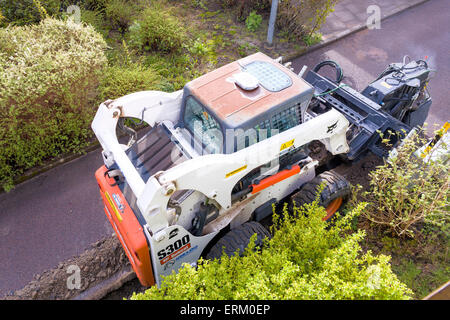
x=100, y=261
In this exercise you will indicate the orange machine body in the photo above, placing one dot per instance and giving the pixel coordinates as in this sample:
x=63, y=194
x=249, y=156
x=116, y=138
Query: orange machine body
x=127, y=227
x=270, y=181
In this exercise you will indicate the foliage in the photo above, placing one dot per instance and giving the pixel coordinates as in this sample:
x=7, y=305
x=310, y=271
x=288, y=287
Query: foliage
x=42, y=11
x=245, y=7
x=253, y=21
x=305, y=259
x=422, y=262
x=405, y=192
x=120, y=80
x=95, y=5
x=246, y=49
x=199, y=47
x=121, y=13
x=96, y=19
x=302, y=19
x=199, y=4
x=177, y=69
x=419, y=280
x=228, y=3
x=204, y=48
x=48, y=76
x=157, y=30
x=310, y=40
x=28, y=11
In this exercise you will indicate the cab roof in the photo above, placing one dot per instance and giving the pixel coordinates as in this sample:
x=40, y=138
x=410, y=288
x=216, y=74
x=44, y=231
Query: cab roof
x=222, y=94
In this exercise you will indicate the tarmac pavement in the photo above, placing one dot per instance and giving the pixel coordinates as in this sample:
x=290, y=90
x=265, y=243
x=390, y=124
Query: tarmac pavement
x=49, y=219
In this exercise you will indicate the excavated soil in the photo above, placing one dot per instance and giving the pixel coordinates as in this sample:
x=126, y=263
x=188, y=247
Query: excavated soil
x=103, y=259
x=357, y=172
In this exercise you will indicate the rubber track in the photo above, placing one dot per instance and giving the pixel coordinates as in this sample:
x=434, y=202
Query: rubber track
x=238, y=238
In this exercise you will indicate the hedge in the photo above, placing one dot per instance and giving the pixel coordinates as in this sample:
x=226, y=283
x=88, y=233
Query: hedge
x=305, y=259
x=120, y=80
x=49, y=75
x=157, y=30
x=28, y=11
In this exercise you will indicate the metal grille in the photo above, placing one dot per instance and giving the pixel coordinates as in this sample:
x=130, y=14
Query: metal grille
x=263, y=130
x=269, y=76
x=287, y=118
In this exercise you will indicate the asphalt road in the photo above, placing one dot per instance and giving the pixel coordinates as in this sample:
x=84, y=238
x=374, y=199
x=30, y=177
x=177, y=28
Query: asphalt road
x=418, y=32
x=49, y=219
x=58, y=214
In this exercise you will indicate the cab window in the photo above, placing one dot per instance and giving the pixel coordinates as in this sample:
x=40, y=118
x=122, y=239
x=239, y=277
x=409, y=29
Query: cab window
x=203, y=126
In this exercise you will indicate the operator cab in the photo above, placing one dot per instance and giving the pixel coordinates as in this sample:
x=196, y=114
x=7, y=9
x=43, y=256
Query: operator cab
x=242, y=103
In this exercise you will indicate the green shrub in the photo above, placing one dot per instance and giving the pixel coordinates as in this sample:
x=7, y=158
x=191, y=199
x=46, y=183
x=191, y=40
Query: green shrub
x=312, y=39
x=199, y=4
x=2, y=20
x=301, y=19
x=199, y=47
x=95, y=19
x=48, y=78
x=120, y=80
x=177, y=69
x=305, y=259
x=121, y=13
x=406, y=192
x=245, y=7
x=95, y=5
x=28, y=11
x=253, y=21
x=157, y=30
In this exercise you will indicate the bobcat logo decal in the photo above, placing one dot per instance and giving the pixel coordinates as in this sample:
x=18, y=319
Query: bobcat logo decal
x=332, y=127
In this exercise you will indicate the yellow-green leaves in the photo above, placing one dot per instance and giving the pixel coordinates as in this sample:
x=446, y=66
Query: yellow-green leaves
x=305, y=259
x=406, y=191
x=49, y=73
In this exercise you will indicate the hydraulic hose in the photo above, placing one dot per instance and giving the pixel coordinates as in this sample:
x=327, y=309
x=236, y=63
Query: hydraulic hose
x=335, y=65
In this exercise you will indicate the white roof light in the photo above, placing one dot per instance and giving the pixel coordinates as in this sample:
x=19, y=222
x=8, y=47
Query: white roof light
x=246, y=81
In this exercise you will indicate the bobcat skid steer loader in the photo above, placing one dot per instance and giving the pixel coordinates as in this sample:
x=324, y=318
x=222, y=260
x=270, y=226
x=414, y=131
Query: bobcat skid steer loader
x=218, y=153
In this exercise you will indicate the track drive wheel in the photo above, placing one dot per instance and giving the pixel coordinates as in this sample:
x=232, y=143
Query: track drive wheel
x=336, y=190
x=238, y=238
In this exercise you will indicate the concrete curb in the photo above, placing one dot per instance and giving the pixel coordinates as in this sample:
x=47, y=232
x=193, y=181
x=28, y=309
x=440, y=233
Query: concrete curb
x=107, y=286
x=342, y=34
x=441, y=293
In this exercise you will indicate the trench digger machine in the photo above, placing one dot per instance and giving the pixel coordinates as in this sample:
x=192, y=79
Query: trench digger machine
x=218, y=154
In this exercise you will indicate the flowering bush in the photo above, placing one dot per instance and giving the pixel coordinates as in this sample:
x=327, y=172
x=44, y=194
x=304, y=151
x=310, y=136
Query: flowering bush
x=406, y=192
x=49, y=73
